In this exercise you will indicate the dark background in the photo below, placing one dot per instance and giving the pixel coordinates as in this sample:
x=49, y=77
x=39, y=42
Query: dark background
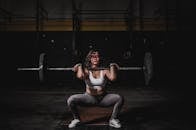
x=170, y=39
x=171, y=43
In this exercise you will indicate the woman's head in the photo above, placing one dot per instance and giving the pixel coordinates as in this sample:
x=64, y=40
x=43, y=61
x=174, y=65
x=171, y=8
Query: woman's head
x=93, y=59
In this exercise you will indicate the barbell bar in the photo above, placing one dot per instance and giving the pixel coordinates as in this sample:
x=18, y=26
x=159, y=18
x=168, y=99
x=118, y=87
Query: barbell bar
x=147, y=68
x=71, y=68
x=121, y=68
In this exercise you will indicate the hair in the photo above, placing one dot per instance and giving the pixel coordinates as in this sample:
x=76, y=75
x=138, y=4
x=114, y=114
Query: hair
x=87, y=62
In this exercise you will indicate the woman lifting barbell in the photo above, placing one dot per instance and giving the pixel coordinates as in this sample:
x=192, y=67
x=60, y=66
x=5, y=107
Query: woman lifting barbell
x=96, y=93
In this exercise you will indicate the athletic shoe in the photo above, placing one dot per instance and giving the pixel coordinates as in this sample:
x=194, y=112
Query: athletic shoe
x=74, y=123
x=114, y=123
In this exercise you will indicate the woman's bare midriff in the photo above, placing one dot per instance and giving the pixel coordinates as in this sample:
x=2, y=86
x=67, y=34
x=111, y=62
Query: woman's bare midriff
x=95, y=91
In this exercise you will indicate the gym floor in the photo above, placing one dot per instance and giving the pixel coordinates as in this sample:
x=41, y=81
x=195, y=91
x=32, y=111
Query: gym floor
x=43, y=107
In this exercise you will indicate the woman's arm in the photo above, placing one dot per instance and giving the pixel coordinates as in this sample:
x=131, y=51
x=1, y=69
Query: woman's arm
x=79, y=71
x=111, y=74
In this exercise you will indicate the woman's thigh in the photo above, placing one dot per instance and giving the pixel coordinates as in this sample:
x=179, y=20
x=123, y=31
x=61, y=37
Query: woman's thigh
x=82, y=99
x=109, y=100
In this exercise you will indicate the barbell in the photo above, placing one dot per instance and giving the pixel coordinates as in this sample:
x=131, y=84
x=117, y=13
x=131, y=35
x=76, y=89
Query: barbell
x=147, y=68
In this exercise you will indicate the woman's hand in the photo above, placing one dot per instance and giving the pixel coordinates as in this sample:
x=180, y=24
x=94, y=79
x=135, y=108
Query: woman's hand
x=111, y=73
x=79, y=71
x=75, y=68
x=114, y=65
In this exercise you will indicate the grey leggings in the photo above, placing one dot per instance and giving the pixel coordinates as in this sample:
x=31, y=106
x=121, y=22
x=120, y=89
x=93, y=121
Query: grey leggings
x=105, y=100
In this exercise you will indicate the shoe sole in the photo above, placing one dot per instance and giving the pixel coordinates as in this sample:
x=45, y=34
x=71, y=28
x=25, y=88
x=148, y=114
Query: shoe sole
x=114, y=126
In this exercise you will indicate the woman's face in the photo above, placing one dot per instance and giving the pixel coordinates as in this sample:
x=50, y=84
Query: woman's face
x=95, y=58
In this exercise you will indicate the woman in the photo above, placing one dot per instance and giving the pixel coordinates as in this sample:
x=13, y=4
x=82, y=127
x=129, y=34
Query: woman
x=96, y=93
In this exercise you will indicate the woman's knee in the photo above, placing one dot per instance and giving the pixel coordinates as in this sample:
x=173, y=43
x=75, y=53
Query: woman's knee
x=71, y=100
x=117, y=98
x=121, y=98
